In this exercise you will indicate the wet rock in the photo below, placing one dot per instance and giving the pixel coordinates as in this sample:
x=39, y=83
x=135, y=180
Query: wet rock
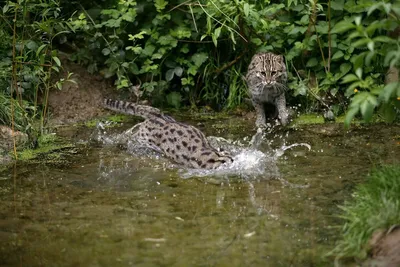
x=7, y=136
x=329, y=116
x=385, y=248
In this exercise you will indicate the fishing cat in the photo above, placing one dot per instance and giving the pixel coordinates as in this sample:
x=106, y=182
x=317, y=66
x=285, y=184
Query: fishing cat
x=180, y=142
x=266, y=80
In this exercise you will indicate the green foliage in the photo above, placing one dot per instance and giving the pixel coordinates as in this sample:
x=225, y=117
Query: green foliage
x=12, y=112
x=380, y=52
x=199, y=51
x=28, y=30
x=375, y=205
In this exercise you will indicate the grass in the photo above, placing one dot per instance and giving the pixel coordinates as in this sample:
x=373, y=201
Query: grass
x=6, y=118
x=375, y=205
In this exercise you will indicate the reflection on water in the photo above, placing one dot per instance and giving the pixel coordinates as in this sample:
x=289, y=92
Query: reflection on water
x=132, y=207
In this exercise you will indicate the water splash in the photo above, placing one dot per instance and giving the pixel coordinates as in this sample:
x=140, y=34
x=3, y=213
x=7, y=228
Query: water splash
x=249, y=162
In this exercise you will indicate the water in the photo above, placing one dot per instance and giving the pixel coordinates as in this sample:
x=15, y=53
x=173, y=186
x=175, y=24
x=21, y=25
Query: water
x=109, y=206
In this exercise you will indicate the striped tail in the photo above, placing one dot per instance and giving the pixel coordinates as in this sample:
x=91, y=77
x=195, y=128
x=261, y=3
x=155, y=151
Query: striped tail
x=146, y=112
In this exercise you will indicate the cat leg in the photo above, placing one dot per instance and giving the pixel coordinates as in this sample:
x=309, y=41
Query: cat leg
x=260, y=113
x=280, y=103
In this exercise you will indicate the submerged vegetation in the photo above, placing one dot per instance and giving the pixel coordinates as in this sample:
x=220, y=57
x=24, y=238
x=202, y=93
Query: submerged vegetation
x=375, y=206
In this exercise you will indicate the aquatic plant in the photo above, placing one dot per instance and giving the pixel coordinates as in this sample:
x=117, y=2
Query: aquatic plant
x=375, y=205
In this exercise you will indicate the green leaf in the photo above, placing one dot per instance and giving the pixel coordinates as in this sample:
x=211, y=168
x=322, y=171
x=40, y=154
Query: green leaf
x=246, y=9
x=383, y=39
x=350, y=78
x=391, y=58
x=344, y=68
x=5, y=8
x=305, y=20
x=337, y=55
x=199, y=58
x=343, y=26
x=167, y=40
x=369, y=57
x=359, y=60
x=373, y=7
x=192, y=70
x=217, y=32
x=136, y=49
x=149, y=49
x=185, y=49
x=129, y=15
x=40, y=49
x=32, y=45
x=361, y=42
x=139, y=35
x=174, y=99
x=133, y=68
x=337, y=5
x=157, y=56
x=388, y=112
x=160, y=5
x=178, y=71
x=169, y=75
x=56, y=69
x=256, y=41
x=389, y=91
x=312, y=62
x=357, y=20
x=57, y=61
x=371, y=45
x=106, y=51
x=186, y=81
x=350, y=114
x=359, y=73
x=367, y=109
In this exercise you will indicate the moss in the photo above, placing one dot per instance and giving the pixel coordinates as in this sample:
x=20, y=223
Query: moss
x=375, y=205
x=308, y=119
x=91, y=123
x=51, y=149
x=48, y=139
x=117, y=118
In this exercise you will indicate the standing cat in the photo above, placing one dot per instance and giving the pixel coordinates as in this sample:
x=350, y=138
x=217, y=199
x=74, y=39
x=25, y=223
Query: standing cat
x=180, y=142
x=266, y=79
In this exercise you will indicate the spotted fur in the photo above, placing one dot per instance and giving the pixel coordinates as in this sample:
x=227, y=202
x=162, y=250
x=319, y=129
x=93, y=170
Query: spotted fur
x=180, y=142
x=266, y=79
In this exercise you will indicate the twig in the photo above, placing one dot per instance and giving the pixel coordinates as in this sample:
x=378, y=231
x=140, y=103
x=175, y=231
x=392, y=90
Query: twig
x=194, y=21
x=329, y=36
x=227, y=65
x=14, y=75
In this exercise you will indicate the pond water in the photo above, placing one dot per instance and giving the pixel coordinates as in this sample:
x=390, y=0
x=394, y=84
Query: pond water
x=105, y=206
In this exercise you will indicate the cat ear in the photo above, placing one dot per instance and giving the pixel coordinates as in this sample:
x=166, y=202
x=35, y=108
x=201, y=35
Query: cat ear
x=281, y=57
